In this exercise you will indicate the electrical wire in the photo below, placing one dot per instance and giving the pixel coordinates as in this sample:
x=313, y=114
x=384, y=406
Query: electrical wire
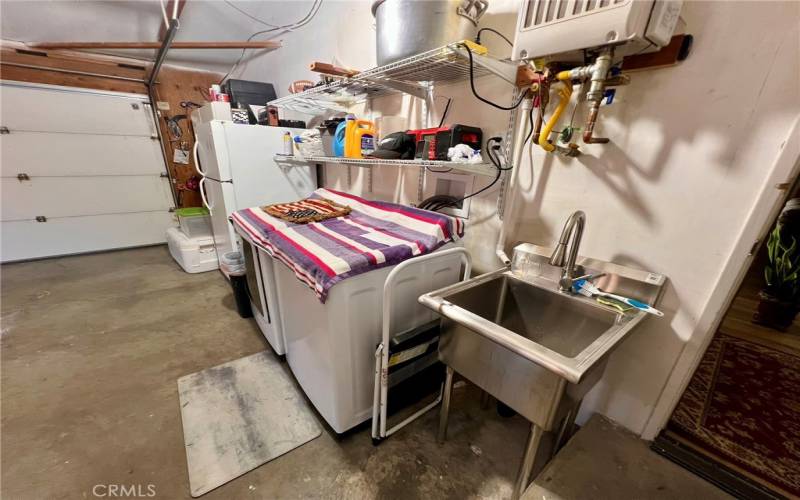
x=444, y=113
x=577, y=102
x=493, y=156
x=475, y=92
x=478, y=36
x=437, y=202
x=247, y=14
x=288, y=27
x=494, y=181
x=530, y=124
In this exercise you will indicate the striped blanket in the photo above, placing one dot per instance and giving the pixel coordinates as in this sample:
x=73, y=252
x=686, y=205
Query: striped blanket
x=375, y=234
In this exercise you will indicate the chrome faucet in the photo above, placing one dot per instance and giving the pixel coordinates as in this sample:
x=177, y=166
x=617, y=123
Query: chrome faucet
x=573, y=227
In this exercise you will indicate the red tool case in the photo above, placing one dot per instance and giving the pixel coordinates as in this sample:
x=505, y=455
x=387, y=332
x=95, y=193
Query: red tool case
x=433, y=143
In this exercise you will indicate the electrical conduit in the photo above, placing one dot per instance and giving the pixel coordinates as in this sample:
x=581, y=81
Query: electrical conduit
x=519, y=138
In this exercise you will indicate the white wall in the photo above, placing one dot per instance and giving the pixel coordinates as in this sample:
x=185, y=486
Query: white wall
x=691, y=148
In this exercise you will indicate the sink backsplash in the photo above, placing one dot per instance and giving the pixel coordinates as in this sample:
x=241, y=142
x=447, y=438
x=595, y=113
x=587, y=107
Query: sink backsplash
x=531, y=263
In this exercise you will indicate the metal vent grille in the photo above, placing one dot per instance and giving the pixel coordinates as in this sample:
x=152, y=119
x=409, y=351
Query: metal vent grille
x=544, y=12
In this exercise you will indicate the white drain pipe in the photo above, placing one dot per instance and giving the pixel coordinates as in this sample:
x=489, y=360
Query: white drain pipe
x=519, y=137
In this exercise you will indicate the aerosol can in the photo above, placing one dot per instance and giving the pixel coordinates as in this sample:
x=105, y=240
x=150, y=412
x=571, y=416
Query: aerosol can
x=288, y=146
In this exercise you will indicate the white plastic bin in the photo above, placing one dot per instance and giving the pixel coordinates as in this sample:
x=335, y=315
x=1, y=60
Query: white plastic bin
x=194, y=255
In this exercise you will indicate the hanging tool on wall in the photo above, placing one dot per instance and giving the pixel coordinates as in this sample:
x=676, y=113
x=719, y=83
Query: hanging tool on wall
x=190, y=184
x=174, y=126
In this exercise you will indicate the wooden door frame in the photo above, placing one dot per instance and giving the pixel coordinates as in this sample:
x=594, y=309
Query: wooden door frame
x=766, y=208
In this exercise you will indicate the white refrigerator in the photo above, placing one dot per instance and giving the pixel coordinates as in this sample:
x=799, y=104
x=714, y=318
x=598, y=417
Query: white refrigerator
x=237, y=168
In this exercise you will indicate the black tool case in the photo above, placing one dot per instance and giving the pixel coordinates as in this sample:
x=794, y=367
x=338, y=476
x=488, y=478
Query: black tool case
x=457, y=134
x=243, y=93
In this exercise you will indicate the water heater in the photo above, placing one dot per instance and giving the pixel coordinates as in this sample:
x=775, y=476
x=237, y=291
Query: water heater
x=566, y=27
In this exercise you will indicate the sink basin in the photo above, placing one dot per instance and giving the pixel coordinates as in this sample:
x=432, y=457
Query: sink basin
x=538, y=350
x=552, y=320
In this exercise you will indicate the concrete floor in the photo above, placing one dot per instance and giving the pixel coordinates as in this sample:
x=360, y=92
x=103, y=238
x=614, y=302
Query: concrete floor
x=92, y=347
x=606, y=461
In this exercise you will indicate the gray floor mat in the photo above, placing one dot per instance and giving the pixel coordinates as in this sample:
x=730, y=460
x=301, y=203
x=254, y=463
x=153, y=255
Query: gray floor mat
x=239, y=415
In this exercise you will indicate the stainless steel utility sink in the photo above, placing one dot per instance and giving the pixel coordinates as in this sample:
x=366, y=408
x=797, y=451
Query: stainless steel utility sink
x=524, y=343
x=541, y=324
x=538, y=350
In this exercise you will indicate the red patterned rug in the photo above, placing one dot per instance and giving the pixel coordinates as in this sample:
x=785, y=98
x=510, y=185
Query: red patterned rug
x=742, y=407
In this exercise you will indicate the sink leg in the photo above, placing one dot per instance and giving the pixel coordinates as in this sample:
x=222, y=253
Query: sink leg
x=445, y=409
x=565, y=432
x=524, y=475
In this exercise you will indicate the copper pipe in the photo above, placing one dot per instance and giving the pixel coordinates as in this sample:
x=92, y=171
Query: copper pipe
x=598, y=73
x=544, y=100
x=537, y=127
x=591, y=119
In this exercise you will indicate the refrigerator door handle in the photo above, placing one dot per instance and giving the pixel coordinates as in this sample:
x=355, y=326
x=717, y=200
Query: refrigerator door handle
x=196, y=159
x=203, y=195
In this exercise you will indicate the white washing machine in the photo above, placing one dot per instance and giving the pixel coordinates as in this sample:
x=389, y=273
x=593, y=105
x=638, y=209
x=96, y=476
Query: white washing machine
x=261, y=287
x=330, y=347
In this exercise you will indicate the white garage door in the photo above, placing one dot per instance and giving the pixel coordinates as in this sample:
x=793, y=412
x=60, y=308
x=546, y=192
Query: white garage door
x=80, y=171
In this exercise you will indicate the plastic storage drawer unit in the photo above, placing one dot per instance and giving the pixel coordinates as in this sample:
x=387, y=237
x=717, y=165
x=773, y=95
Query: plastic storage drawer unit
x=195, y=221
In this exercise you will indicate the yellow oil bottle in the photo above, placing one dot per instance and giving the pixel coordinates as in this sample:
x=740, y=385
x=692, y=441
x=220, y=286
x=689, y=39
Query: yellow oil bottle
x=359, y=138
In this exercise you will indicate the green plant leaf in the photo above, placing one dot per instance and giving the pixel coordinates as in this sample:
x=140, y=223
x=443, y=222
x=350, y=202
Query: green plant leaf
x=771, y=244
x=782, y=271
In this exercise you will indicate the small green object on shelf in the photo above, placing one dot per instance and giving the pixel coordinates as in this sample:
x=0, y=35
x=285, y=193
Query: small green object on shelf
x=192, y=212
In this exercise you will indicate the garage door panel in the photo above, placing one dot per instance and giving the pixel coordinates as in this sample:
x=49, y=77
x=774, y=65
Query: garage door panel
x=56, y=154
x=31, y=240
x=94, y=172
x=74, y=196
x=48, y=109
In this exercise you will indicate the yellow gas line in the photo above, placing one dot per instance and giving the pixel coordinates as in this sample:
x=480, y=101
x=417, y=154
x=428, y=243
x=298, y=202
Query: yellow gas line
x=564, y=93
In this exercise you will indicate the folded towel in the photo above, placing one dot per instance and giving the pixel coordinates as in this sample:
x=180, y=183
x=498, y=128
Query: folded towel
x=308, y=210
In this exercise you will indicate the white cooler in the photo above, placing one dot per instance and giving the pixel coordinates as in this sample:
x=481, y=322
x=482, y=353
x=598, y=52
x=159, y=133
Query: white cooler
x=195, y=255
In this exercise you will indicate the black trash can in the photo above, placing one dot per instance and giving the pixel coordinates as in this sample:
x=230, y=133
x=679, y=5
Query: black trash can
x=241, y=296
x=234, y=266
